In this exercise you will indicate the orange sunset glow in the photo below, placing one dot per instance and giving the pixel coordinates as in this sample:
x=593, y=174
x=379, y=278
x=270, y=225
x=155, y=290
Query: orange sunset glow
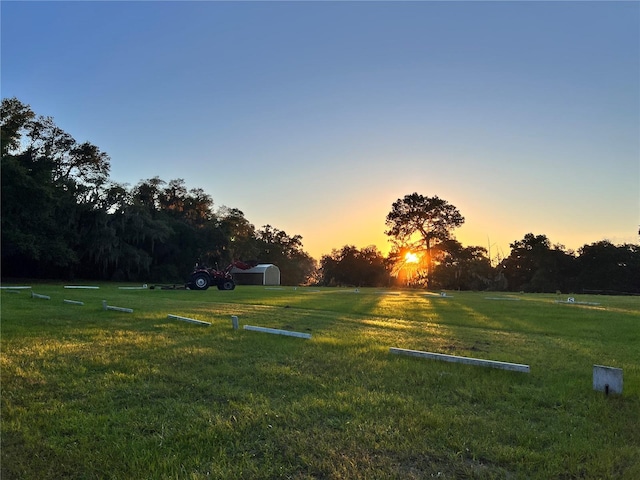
x=411, y=257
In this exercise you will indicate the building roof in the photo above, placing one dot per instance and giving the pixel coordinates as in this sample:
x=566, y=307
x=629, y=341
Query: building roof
x=260, y=268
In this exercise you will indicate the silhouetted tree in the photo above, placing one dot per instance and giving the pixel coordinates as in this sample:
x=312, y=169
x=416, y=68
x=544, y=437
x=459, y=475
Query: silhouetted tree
x=462, y=268
x=62, y=216
x=352, y=267
x=609, y=268
x=16, y=117
x=238, y=233
x=422, y=224
x=285, y=251
x=535, y=266
x=50, y=185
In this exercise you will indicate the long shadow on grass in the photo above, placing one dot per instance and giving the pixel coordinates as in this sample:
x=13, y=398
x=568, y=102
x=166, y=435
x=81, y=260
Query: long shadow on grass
x=150, y=393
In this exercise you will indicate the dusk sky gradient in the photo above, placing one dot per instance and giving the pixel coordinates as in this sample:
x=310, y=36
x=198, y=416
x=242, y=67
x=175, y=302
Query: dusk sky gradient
x=314, y=117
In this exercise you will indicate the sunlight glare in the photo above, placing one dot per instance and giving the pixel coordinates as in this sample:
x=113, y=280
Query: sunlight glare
x=411, y=258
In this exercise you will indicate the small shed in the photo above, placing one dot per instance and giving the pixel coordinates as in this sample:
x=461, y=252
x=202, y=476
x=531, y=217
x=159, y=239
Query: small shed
x=262, y=274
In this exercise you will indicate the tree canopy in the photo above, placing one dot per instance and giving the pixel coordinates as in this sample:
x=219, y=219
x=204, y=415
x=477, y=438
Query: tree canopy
x=422, y=224
x=63, y=217
x=350, y=266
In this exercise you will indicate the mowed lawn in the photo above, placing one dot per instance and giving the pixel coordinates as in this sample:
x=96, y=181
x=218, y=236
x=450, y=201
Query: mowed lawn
x=95, y=394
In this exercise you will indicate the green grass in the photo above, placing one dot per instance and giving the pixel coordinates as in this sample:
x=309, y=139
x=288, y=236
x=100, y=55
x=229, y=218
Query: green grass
x=94, y=394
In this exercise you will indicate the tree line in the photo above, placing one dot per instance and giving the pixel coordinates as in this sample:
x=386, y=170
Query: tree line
x=63, y=217
x=426, y=254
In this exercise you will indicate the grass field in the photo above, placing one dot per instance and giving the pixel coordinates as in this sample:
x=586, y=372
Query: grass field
x=95, y=394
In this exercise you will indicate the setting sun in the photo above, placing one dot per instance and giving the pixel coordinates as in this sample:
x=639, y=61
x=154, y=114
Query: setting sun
x=411, y=258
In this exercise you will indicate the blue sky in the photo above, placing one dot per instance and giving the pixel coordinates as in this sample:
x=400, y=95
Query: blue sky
x=315, y=117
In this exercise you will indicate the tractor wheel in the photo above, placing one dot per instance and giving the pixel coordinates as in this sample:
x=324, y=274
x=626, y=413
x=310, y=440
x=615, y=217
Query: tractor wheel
x=227, y=285
x=199, y=281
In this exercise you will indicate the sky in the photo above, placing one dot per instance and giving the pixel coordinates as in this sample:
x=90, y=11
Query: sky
x=314, y=117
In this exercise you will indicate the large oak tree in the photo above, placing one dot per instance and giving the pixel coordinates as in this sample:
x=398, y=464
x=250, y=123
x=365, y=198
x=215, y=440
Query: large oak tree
x=421, y=224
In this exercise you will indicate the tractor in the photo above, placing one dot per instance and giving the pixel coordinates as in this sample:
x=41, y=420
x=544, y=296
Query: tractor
x=203, y=277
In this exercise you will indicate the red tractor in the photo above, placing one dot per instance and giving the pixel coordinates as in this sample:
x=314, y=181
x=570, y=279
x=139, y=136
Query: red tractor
x=203, y=277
